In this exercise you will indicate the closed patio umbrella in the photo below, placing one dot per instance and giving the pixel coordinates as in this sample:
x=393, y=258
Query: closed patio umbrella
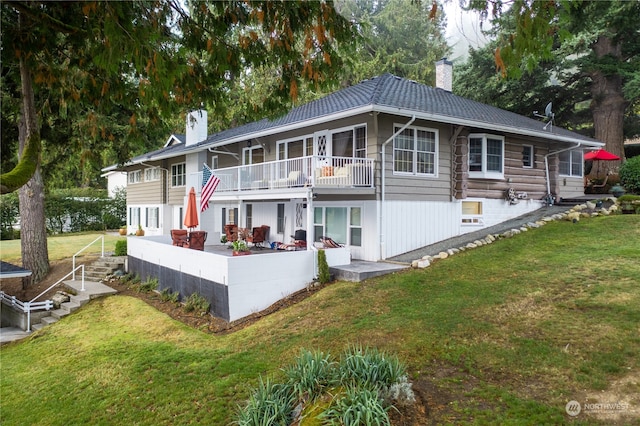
x=191, y=216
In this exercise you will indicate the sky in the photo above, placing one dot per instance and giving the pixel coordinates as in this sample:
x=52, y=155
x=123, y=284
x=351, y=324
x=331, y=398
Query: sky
x=463, y=30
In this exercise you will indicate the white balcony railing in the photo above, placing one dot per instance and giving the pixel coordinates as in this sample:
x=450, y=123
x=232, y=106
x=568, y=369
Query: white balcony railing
x=325, y=172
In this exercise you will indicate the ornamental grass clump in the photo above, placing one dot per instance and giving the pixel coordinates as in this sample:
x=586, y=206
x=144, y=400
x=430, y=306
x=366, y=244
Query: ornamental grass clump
x=357, y=406
x=360, y=389
x=371, y=368
x=311, y=375
x=270, y=404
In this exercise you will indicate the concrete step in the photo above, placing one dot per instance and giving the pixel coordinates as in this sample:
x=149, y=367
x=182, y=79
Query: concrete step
x=102, y=270
x=48, y=320
x=70, y=306
x=36, y=327
x=58, y=314
x=80, y=299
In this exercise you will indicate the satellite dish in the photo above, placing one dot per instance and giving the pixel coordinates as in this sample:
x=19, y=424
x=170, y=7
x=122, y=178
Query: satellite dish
x=548, y=115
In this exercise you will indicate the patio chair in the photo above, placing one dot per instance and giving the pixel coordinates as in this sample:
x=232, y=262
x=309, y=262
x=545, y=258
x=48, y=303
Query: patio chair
x=300, y=239
x=258, y=236
x=328, y=242
x=231, y=231
x=180, y=237
x=197, y=239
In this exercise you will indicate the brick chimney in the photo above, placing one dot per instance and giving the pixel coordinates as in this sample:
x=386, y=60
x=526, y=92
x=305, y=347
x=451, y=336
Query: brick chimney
x=196, y=127
x=444, y=74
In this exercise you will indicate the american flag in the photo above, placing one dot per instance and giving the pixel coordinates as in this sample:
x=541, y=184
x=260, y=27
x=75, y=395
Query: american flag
x=209, y=185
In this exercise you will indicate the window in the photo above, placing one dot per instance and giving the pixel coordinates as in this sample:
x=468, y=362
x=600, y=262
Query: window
x=342, y=224
x=153, y=217
x=472, y=213
x=280, y=223
x=570, y=163
x=178, y=175
x=134, y=216
x=249, y=216
x=355, y=226
x=414, y=151
x=527, y=156
x=349, y=142
x=360, y=149
x=135, y=176
x=486, y=156
x=152, y=174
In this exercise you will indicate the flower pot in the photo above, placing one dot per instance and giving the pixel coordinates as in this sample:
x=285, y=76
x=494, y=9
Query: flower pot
x=241, y=253
x=140, y=233
x=123, y=231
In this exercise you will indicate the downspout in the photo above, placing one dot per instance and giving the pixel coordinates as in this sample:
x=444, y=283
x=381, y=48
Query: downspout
x=546, y=169
x=382, y=184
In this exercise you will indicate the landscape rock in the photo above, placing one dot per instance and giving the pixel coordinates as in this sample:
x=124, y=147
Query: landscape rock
x=59, y=298
x=422, y=263
x=443, y=255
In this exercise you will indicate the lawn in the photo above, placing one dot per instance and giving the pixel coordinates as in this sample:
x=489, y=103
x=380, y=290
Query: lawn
x=62, y=246
x=505, y=334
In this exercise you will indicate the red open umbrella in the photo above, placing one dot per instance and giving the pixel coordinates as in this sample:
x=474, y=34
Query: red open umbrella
x=601, y=154
x=191, y=216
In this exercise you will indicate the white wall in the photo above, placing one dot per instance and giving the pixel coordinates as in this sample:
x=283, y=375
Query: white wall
x=408, y=225
x=255, y=282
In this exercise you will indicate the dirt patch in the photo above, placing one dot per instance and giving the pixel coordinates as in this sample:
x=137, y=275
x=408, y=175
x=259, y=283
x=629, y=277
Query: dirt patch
x=58, y=269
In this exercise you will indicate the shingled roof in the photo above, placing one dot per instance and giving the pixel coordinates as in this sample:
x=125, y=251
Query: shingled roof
x=394, y=95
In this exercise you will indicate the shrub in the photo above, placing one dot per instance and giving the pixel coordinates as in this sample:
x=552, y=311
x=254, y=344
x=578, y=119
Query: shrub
x=121, y=248
x=197, y=303
x=630, y=175
x=167, y=295
x=149, y=285
x=324, y=276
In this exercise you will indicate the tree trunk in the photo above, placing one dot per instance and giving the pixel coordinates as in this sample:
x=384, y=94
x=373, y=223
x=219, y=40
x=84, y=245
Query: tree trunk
x=608, y=104
x=33, y=235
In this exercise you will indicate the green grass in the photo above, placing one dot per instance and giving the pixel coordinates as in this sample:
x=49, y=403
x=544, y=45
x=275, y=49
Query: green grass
x=507, y=333
x=62, y=246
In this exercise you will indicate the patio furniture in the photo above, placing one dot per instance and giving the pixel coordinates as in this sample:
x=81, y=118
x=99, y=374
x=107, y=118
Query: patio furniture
x=231, y=231
x=300, y=239
x=328, y=242
x=197, y=239
x=295, y=178
x=180, y=237
x=258, y=236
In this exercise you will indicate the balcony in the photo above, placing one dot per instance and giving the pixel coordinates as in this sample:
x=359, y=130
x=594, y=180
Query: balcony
x=312, y=171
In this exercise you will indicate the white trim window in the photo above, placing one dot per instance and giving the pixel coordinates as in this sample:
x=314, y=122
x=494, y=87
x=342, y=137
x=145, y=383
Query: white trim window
x=342, y=224
x=527, y=156
x=570, y=163
x=152, y=174
x=472, y=213
x=350, y=142
x=134, y=176
x=153, y=217
x=178, y=175
x=134, y=216
x=415, y=151
x=486, y=156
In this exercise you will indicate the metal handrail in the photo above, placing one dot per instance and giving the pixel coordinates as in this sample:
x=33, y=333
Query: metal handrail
x=28, y=304
x=83, y=249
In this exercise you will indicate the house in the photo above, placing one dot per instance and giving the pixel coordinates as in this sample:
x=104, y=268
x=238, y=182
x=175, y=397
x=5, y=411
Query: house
x=383, y=167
